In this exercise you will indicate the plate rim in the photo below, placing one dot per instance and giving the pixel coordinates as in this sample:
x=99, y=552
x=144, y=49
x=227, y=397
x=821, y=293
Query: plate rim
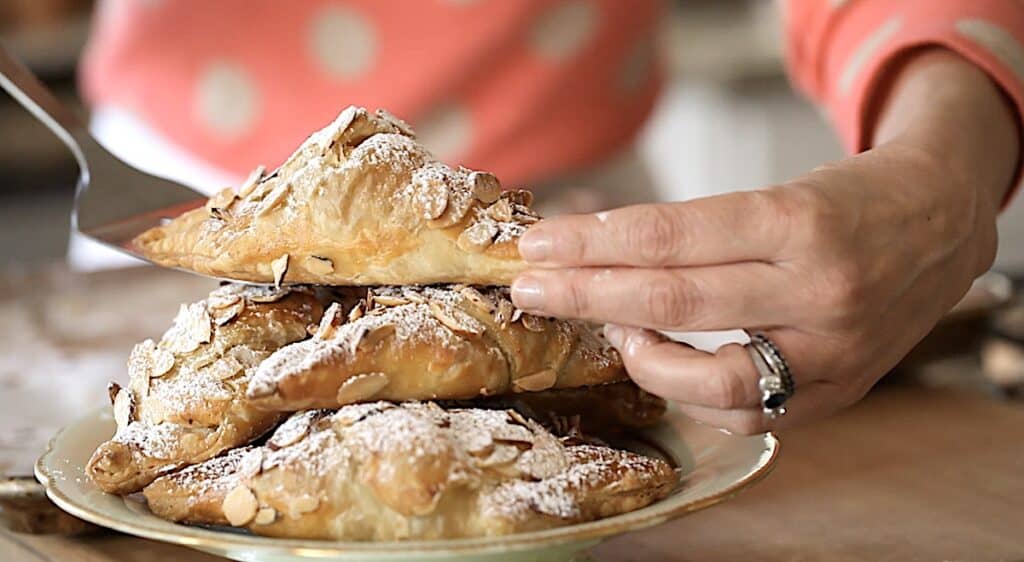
x=209, y=539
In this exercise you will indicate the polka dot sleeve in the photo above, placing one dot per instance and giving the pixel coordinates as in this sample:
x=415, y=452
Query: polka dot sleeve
x=837, y=49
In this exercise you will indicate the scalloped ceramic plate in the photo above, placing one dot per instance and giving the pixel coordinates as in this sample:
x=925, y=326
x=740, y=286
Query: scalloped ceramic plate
x=713, y=467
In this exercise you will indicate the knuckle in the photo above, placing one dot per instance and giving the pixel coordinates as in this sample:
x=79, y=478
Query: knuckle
x=809, y=214
x=656, y=235
x=843, y=290
x=669, y=301
x=577, y=299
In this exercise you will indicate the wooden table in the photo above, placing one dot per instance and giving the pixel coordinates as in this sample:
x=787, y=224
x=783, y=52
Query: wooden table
x=911, y=473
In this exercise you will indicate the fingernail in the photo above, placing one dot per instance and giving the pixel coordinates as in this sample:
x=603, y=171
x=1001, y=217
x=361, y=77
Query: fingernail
x=614, y=334
x=528, y=293
x=535, y=245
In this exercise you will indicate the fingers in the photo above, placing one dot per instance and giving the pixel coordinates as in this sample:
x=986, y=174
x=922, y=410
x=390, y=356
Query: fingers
x=751, y=294
x=720, y=389
x=726, y=228
x=677, y=372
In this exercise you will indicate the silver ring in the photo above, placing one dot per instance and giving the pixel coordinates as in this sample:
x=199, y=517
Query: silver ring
x=776, y=382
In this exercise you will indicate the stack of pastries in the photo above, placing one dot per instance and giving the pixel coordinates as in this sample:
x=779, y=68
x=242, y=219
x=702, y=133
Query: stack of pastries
x=375, y=381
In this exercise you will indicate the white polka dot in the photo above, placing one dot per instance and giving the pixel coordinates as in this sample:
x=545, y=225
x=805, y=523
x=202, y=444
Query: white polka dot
x=637, y=67
x=342, y=42
x=997, y=40
x=564, y=29
x=447, y=131
x=863, y=53
x=227, y=99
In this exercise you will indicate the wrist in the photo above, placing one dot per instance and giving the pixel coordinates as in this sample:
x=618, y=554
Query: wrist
x=942, y=104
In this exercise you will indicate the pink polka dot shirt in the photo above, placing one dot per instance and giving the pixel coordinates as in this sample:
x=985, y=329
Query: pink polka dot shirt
x=525, y=88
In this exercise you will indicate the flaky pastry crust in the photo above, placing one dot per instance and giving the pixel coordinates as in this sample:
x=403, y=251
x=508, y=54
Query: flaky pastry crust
x=185, y=402
x=426, y=343
x=359, y=203
x=381, y=471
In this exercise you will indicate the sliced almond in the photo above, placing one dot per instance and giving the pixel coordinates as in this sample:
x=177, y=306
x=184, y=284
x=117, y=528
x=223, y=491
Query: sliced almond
x=520, y=197
x=163, y=362
x=265, y=516
x=500, y=211
x=541, y=380
x=397, y=122
x=265, y=294
x=478, y=237
x=455, y=320
x=223, y=316
x=413, y=296
x=224, y=368
x=432, y=197
x=274, y=198
x=240, y=506
x=533, y=323
x=361, y=388
x=516, y=315
x=370, y=336
x=293, y=430
x=329, y=323
x=503, y=312
x=477, y=298
x=389, y=300
x=204, y=358
x=221, y=201
x=222, y=298
x=192, y=328
x=124, y=408
x=150, y=361
x=279, y=267
x=252, y=181
x=318, y=265
x=112, y=389
x=518, y=418
x=501, y=455
x=302, y=505
x=356, y=313
x=252, y=463
x=486, y=187
x=525, y=219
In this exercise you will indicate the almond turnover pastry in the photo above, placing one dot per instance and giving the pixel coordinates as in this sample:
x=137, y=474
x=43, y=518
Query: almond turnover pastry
x=359, y=203
x=382, y=471
x=420, y=343
x=185, y=402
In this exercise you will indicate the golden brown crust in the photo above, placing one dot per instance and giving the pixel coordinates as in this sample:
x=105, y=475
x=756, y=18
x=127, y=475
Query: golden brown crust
x=381, y=471
x=185, y=402
x=359, y=203
x=445, y=342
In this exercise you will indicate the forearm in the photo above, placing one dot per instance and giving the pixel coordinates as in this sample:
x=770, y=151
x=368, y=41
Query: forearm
x=941, y=103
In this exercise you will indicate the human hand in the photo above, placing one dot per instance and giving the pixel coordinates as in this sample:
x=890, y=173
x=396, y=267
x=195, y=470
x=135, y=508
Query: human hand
x=845, y=269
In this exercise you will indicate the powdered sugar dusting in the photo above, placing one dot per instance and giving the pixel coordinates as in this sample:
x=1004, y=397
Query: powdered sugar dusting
x=153, y=440
x=398, y=153
x=589, y=468
x=216, y=476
